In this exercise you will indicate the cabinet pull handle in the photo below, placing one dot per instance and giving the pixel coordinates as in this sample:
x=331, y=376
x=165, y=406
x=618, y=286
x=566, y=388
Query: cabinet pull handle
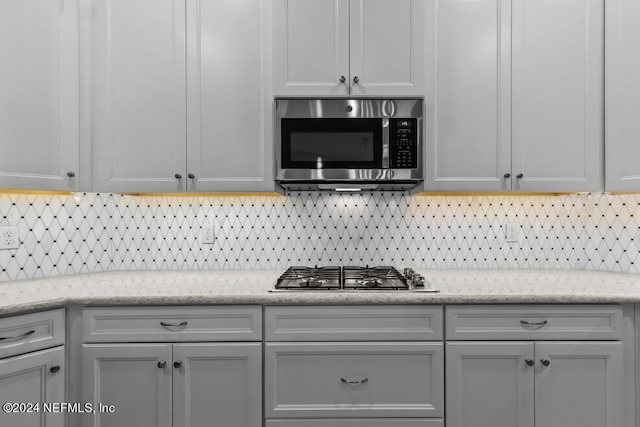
x=520, y=176
x=71, y=174
x=177, y=364
x=507, y=175
x=54, y=369
x=19, y=336
x=545, y=362
x=191, y=176
x=533, y=324
x=343, y=79
x=356, y=79
x=362, y=381
x=529, y=362
x=178, y=176
x=174, y=325
x=162, y=364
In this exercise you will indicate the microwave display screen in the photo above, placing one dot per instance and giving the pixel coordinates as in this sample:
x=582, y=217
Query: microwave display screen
x=332, y=143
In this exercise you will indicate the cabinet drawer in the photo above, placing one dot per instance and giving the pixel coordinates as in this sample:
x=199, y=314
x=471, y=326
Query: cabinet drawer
x=157, y=324
x=534, y=322
x=368, y=422
x=342, y=380
x=30, y=332
x=354, y=323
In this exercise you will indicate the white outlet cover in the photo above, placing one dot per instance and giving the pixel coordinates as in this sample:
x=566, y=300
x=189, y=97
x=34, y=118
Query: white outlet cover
x=9, y=237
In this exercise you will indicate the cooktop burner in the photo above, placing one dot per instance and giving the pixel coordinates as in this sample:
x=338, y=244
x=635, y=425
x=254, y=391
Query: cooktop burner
x=344, y=278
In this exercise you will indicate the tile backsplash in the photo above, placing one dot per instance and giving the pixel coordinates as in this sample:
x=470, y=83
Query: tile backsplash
x=88, y=232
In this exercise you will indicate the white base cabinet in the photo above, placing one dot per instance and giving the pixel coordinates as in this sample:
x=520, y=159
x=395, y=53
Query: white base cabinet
x=521, y=379
x=158, y=385
x=33, y=378
x=174, y=381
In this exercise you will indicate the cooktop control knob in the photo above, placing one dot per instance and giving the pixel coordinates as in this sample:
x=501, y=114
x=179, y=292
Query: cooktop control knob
x=418, y=282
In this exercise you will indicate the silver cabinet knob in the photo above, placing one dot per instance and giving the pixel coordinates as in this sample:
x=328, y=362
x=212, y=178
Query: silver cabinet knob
x=177, y=364
x=71, y=174
x=343, y=79
x=162, y=364
x=507, y=175
x=529, y=362
x=178, y=176
x=545, y=362
x=520, y=176
x=54, y=369
x=356, y=79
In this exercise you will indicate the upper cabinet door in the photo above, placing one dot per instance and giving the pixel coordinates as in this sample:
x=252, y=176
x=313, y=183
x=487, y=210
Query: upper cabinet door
x=386, y=40
x=138, y=86
x=230, y=139
x=468, y=120
x=311, y=47
x=39, y=116
x=558, y=95
x=622, y=95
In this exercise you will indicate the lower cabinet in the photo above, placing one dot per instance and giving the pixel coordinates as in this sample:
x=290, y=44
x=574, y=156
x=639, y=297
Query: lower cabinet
x=164, y=385
x=175, y=366
x=354, y=366
x=33, y=379
x=534, y=383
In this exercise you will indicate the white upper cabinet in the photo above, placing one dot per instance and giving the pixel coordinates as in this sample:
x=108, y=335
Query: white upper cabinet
x=182, y=105
x=558, y=86
x=349, y=48
x=39, y=116
x=517, y=96
x=230, y=129
x=622, y=95
x=139, y=95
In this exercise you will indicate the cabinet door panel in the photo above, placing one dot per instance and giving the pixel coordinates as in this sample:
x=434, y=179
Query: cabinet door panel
x=582, y=386
x=139, y=90
x=39, y=116
x=622, y=94
x=27, y=379
x=311, y=47
x=386, y=51
x=221, y=382
x=229, y=111
x=468, y=143
x=489, y=384
x=557, y=95
x=128, y=377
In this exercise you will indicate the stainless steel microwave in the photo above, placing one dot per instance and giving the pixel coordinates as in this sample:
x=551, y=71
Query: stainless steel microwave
x=348, y=144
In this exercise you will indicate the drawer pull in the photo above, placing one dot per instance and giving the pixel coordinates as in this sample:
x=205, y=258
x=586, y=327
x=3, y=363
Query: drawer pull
x=174, y=325
x=19, y=336
x=533, y=324
x=355, y=382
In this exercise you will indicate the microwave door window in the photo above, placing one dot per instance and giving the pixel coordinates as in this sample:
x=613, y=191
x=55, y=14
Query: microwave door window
x=351, y=146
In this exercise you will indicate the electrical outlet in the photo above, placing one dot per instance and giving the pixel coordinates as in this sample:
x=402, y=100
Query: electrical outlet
x=208, y=234
x=512, y=231
x=9, y=238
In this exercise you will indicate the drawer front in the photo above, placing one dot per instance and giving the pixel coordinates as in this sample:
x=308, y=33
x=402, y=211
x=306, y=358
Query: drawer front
x=368, y=422
x=354, y=380
x=354, y=323
x=30, y=332
x=158, y=324
x=534, y=322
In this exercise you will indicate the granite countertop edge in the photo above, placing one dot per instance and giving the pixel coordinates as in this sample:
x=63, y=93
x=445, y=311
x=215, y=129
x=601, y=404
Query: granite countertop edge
x=251, y=287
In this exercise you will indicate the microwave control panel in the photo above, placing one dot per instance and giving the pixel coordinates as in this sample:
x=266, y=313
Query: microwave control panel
x=403, y=145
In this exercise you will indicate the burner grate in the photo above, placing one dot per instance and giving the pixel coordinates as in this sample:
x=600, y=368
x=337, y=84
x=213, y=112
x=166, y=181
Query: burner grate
x=342, y=278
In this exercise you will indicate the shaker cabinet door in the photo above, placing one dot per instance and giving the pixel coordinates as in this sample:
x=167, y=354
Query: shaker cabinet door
x=39, y=91
x=138, y=85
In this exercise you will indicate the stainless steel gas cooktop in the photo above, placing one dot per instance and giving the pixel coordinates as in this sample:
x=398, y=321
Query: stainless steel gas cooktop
x=350, y=278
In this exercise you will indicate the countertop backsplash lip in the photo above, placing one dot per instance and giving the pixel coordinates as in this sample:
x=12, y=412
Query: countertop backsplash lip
x=99, y=232
x=251, y=287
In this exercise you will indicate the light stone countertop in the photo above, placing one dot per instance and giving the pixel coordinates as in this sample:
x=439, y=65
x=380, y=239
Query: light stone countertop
x=204, y=287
